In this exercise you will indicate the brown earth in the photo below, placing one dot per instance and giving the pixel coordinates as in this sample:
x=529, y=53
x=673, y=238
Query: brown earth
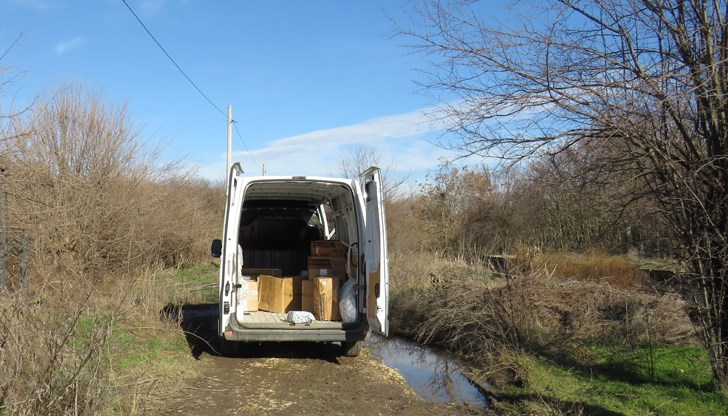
x=293, y=379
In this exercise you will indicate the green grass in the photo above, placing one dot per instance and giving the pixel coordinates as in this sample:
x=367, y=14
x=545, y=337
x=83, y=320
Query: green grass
x=200, y=280
x=145, y=358
x=160, y=341
x=666, y=380
x=144, y=348
x=150, y=357
x=148, y=364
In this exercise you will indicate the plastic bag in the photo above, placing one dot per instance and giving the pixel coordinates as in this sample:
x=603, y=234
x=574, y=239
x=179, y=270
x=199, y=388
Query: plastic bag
x=347, y=304
x=300, y=317
x=242, y=296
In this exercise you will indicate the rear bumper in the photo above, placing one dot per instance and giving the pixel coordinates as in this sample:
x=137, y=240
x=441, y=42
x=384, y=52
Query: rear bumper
x=351, y=332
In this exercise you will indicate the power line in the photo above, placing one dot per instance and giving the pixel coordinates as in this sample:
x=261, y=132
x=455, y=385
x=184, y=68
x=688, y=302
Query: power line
x=235, y=125
x=173, y=61
x=188, y=79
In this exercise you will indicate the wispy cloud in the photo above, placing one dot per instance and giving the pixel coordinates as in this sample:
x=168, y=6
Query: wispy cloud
x=401, y=138
x=38, y=5
x=369, y=132
x=151, y=7
x=69, y=45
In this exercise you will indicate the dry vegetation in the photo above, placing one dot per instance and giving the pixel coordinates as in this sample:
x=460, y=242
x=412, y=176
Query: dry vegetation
x=91, y=216
x=51, y=357
x=471, y=273
x=617, y=107
x=484, y=317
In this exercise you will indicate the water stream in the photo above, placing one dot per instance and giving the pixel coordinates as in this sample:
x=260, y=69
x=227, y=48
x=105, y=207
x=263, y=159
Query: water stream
x=434, y=375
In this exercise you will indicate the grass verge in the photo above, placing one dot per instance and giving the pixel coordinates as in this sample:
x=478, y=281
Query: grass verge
x=149, y=357
x=611, y=380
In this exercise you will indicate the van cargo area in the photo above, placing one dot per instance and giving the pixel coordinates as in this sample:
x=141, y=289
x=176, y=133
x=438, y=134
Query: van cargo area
x=294, y=249
x=280, y=221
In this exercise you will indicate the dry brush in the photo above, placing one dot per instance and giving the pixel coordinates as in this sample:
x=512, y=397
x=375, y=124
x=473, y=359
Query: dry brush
x=90, y=209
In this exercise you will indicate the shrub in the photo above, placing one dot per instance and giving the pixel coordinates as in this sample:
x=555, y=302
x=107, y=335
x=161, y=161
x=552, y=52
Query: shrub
x=100, y=213
x=94, y=200
x=51, y=360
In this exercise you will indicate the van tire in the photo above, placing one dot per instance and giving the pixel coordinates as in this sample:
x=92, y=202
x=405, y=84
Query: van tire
x=351, y=348
x=229, y=348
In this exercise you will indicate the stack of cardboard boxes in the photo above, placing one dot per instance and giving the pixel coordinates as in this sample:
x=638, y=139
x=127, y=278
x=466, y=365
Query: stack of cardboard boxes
x=326, y=271
x=318, y=293
x=253, y=285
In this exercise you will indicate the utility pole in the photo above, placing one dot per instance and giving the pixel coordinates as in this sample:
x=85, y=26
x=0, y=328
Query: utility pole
x=229, y=145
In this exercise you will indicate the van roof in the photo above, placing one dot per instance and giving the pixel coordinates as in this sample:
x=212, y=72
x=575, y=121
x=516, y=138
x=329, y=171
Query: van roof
x=309, y=189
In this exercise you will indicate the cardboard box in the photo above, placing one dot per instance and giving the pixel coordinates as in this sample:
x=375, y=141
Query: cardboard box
x=328, y=248
x=327, y=267
x=307, y=296
x=326, y=299
x=254, y=273
x=279, y=294
x=252, y=296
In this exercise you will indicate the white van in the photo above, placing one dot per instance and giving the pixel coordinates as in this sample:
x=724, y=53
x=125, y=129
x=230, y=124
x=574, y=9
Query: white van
x=270, y=222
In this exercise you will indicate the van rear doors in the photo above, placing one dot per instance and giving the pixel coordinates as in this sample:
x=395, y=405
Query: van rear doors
x=230, y=258
x=375, y=255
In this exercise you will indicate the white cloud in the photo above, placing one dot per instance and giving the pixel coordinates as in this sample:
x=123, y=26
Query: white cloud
x=390, y=127
x=69, y=45
x=316, y=152
x=401, y=138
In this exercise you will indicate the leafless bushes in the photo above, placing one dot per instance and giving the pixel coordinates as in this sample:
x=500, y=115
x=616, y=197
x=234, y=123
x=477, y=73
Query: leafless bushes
x=92, y=197
x=52, y=353
x=543, y=303
x=100, y=212
x=544, y=313
x=563, y=203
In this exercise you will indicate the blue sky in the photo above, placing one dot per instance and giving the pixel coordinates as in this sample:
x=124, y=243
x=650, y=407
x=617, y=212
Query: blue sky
x=307, y=80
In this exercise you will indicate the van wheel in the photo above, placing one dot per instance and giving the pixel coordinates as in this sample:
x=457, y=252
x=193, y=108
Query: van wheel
x=351, y=348
x=229, y=348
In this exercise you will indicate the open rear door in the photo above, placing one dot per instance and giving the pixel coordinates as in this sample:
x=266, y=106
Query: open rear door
x=229, y=259
x=377, y=268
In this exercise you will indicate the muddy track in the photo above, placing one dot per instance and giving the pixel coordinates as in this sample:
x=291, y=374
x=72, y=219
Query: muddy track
x=290, y=379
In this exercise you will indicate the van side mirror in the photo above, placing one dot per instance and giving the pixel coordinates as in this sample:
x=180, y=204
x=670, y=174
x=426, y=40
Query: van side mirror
x=216, y=249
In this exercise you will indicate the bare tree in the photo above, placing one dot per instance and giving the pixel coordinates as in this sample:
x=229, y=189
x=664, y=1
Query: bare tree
x=645, y=79
x=448, y=203
x=359, y=158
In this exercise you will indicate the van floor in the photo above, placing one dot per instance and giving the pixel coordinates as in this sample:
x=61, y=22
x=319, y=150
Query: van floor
x=262, y=319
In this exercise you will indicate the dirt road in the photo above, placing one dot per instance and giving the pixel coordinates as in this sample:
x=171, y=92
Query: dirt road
x=292, y=379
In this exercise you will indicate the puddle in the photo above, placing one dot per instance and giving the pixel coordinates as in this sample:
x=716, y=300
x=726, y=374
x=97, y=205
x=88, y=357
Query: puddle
x=434, y=375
